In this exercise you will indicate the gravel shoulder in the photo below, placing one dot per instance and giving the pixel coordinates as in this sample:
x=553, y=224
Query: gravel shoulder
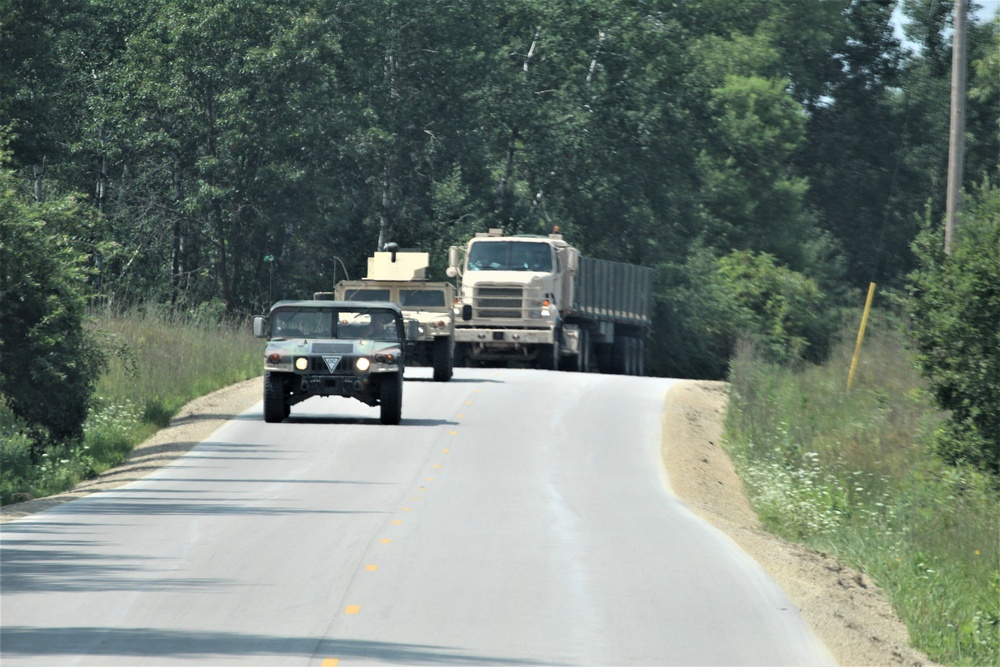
x=844, y=608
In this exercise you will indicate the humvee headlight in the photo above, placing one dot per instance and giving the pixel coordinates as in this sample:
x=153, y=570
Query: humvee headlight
x=302, y=363
x=363, y=363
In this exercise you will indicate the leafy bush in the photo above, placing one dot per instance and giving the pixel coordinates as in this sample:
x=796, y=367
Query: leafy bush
x=955, y=309
x=705, y=306
x=48, y=362
x=782, y=310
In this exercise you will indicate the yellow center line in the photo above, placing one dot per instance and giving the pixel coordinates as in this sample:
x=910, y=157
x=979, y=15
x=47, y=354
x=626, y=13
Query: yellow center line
x=459, y=416
x=352, y=609
x=386, y=540
x=330, y=662
x=371, y=568
x=396, y=522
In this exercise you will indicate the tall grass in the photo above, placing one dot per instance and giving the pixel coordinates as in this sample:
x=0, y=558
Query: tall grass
x=157, y=362
x=853, y=473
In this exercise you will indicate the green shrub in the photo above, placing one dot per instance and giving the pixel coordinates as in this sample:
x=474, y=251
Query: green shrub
x=48, y=363
x=783, y=310
x=703, y=307
x=955, y=309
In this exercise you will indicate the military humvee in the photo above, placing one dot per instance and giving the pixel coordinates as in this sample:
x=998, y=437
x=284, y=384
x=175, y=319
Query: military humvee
x=333, y=348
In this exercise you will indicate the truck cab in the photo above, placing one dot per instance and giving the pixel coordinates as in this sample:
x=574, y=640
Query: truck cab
x=514, y=291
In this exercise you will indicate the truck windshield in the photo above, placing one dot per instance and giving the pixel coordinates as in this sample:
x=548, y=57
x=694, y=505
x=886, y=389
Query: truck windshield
x=510, y=256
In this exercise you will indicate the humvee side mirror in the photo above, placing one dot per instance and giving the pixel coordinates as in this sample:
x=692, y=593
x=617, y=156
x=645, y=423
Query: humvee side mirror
x=258, y=327
x=412, y=330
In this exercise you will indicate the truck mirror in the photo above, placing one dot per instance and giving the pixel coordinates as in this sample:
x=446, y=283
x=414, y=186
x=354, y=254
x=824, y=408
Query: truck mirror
x=467, y=312
x=451, y=271
x=572, y=259
x=258, y=327
x=453, y=258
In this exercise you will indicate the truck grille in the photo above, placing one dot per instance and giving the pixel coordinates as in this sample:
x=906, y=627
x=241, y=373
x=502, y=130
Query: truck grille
x=499, y=302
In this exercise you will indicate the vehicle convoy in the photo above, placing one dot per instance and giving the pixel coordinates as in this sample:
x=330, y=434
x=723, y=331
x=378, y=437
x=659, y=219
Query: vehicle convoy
x=332, y=348
x=534, y=300
x=399, y=277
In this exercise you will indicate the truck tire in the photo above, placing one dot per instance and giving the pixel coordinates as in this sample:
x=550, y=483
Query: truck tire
x=621, y=356
x=391, y=399
x=444, y=360
x=548, y=357
x=584, y=359
x=276, y=406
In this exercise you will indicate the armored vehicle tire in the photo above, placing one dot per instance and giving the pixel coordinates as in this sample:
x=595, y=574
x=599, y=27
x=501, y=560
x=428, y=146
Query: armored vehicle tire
x=391, y=399
x=443, y=359
x=275, y=405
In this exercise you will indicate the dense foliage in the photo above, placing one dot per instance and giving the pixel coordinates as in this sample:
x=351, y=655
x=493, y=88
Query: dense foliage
x=48, y=363
x=240, y=151
x=955, y=307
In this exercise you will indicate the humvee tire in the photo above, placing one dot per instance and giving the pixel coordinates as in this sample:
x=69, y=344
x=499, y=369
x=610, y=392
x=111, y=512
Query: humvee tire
x=275, y=404
x=391, y=399
x=443, y=360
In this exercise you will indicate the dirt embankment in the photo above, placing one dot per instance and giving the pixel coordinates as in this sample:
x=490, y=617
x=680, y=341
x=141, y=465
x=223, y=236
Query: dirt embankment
x=844, y=607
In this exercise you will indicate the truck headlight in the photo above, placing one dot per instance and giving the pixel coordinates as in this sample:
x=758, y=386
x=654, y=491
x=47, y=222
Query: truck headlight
x=302, y=363
x=363, y=363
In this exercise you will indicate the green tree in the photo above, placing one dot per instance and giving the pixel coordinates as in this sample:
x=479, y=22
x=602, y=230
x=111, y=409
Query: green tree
x=48, y=362
x=955, y=309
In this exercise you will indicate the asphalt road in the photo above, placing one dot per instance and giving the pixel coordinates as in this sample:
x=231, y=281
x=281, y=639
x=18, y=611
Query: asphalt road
x=515, y=517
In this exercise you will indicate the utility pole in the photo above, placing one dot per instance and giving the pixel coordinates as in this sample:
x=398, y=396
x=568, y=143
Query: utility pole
x=956, y=145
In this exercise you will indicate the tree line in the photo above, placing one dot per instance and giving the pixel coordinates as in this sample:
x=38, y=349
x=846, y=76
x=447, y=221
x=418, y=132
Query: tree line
x=768, y=158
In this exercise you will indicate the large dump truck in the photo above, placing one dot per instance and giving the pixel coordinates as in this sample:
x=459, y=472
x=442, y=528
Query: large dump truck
x=400, y=277
x=535, y=301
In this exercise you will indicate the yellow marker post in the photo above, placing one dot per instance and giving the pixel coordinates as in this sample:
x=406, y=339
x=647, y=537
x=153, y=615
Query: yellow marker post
x=861, y=335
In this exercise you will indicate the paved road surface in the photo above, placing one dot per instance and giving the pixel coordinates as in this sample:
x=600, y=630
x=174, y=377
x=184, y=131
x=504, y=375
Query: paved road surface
x=515, y=517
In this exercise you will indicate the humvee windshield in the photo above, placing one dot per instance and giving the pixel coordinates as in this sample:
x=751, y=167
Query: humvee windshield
x=421, y=298
x=329, y=323
x=366, y=295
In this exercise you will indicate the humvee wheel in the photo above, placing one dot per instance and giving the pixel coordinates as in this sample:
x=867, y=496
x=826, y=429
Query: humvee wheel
x=275, y=404
x=391, y=399
x=443, y=359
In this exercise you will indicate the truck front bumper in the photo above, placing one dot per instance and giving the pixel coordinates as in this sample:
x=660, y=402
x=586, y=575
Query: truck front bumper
x=491, y=337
